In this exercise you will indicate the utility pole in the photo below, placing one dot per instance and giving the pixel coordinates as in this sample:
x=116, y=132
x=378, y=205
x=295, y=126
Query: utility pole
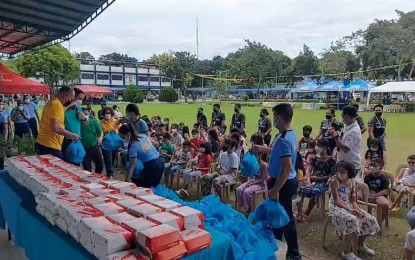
x=197, y=37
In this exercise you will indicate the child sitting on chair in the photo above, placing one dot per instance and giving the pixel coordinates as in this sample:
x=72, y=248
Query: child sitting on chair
x=409, y=251
x=178, y=162
x=245, y=193
x=320, y=171
x=166, y=150
x=378, y=186
x=405, y=183
x=348, y=219
x=375, y=152
x=201, y=167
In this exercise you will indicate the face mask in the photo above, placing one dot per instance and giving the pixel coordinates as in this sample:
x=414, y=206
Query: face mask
x=328, y=116
x=20, y=108
x=319, y=150
x=1, y=107
x=224, y=148
x=236, y=110
x=378, y=114
x=412, y=167
x=195, y=136
x=202, y=150
x=261, y=115
x=107, y=116
x=174, y=131
x=306, y=134
x=27, y=101
x=342, y=177
x=78, y=103
x=129, y=116
x=276, y=122
x=373, y=149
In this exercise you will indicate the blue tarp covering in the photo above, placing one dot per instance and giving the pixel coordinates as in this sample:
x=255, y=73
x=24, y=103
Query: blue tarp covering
x=358, y=85
x=330, y=86
x=276, y=89
x=309, y=86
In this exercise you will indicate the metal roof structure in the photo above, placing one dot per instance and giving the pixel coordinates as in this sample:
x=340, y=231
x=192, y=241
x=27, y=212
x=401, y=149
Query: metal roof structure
x=29, y=24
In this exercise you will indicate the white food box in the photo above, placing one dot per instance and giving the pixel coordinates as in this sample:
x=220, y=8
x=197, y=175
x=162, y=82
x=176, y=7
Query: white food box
x=62, y=224
x=150, y=198
x=167, y=205
x=104, y=192
x=122, y=187
x=76, y=214
x=107, y=183
x=128, y=203
x=92, y=186
x=96, y=201
x=137, y=224
x=93, y=178
x=73, y=232
x=139, y=192
x=192, y=218
x=87, y=244
x=168, y=219
x=111, y=239
x=144, y=210
x=118, y=197
x=109, y=208
x=132, y=254
x=120, y=217
x=86, y=226
x=53, y=202
x=73, y=191
x=50, y=217
x=41, y=210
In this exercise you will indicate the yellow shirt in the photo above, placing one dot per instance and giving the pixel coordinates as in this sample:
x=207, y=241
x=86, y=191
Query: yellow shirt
x=53, y=110
x=108, y=125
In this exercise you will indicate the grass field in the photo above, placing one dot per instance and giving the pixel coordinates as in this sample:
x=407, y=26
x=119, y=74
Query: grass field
x=400, y=130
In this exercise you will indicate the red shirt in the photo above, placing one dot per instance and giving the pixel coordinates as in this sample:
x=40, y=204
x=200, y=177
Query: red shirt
x=196, y=142
x=203, y=161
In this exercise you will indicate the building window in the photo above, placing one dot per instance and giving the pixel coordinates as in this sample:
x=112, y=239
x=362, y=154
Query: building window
x=116, y=77
x=154, y=79
x=142, y=78
x=102, y=76
x=87, y=76
x=165, y=79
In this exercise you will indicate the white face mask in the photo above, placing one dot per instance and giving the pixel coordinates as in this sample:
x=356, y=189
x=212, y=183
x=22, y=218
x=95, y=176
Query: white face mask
x=373, y=149
x=27, y=101
x=78, y=102
x=107, y=116
x=276, y=122
x=319, y=151
x=1, y=107
x=174, y=131
x=20, y=108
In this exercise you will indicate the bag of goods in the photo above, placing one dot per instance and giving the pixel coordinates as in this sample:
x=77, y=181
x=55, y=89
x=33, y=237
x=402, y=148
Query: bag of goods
x=93, y=177
x=168, y=219
x=120, y=217
x=118, y=197
x=150, y=198
x=109, y=208
x=128, y=203
x=171, y=253
x=137, y=224
x=195, y=239
x=123, y=186
x=111, y=239
x=87, y=225
x=192, y=218
x=92, y=186
x=104, y=192
x=158, y=238
x=96, y=201
x=144, y=210
x=139, y=192
x=167, y=205
x=62, y=224
x=132, y=254
x=107, y=183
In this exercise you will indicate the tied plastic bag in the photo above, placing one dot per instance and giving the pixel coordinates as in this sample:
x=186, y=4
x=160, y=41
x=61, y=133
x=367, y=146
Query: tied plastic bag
x=112, y=142
x=137, y=170
x=249, y=165
x=271, y=214
x=75, y=152
x=411, y=217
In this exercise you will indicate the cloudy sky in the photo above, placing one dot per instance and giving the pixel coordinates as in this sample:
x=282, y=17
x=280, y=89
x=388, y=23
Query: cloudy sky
x=141, y=27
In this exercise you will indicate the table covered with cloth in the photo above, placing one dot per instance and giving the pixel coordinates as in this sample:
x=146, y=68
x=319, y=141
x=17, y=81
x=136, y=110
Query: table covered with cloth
x=42, y=241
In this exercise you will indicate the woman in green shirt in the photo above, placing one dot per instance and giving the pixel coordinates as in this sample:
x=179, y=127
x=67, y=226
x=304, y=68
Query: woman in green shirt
x=91, y=138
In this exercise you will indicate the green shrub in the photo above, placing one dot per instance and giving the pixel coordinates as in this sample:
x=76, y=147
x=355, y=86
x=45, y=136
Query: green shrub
x=133, y=94
x=168, y=95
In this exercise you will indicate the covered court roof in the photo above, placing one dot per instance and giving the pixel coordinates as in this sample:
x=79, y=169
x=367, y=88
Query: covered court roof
x=27, y=24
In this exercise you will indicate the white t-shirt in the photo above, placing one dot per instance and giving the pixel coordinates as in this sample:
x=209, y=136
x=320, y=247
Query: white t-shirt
x=228, y=161
x=352, y=138
x=408, y=178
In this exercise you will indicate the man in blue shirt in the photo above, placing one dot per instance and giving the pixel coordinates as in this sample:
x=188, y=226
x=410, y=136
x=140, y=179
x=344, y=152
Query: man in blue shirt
x=283, y=183
x=31, y=108
x=20, y=117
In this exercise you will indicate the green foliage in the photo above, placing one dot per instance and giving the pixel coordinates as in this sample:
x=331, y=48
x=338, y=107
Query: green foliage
x=306, y=63
x=20, y=146
x=133, y=94
x=84, y=57
x=53, y=64
x=168, y=95
x=115, y=56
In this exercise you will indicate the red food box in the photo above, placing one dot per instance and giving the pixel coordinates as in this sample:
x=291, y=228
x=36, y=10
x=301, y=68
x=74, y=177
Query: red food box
x=109, y=208
x=111, y=239
x=172, y=253
x=195, y=239
x=192, y=218
x=135, y=225
x=128, y=203
x=158, y=238
x=168, y=219
x=167, y=205
x=120, y=217
x=144, y=210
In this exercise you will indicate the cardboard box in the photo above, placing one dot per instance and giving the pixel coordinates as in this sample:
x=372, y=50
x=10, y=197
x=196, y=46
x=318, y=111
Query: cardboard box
x=123, y=186
x=72, y=191
x=172, y=253
x=195, y=239
x=64, y=208
x=128, y=203
x=41, y=210
x=192, y=218
x=92, y=186
x=139, y=192
x=150, y=198
x=93, y=178
x=109, y=208
x=87, y=244
x=137, y=224
x=53, y=202
x=107, y=183
x=75, y=215
x=73, y=232
x=87, y=225
x=118, y=197
x=96, y=201
x=62, y=224
x=120, y=217
x=132, y=254
x=144, y=210
x=104, y=192
x=158, y=238
x=168, y=219
x=167, y=205
x=111, y=239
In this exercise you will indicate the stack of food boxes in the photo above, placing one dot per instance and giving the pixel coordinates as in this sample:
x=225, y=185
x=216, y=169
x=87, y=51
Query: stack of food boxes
x=110, y=219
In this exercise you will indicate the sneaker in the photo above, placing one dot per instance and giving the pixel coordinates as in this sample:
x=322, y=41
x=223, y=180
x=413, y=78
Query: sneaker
x=350, y=256
x=366, y=250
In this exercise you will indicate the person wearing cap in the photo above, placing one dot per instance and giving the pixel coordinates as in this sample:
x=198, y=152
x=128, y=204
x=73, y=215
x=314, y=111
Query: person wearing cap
x=100, y=112
x=20, y=117
x=31, y=108
x=409, y=249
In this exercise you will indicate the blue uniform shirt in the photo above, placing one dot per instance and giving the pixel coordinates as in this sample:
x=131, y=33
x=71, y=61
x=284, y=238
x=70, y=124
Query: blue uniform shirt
x=143, y=149
x=20, y=119
x=140, y=126
x=3, y=122
x=31, y=109
x=6, y=114
x=284, y=146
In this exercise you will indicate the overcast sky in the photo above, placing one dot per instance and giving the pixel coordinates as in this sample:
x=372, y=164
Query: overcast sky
x=140, y=28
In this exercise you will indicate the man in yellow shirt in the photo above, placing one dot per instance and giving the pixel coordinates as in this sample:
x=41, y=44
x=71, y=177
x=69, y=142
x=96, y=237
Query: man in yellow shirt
x=52, y=124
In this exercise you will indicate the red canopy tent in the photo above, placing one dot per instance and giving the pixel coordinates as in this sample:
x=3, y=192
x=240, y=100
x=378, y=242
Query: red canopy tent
x=13, y=83
x=93, y=90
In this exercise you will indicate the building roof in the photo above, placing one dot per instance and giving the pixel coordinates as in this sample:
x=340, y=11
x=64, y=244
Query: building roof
x=26, y=24
x=395, y=86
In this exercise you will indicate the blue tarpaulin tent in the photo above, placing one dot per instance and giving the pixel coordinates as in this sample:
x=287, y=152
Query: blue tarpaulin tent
x=275, y=89
x=309, y=86
x=330, y=86
x=358, y=85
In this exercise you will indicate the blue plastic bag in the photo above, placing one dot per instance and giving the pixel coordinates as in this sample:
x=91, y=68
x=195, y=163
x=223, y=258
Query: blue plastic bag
x=411, y=217
x=75, y=152
x=271, y=214
x=249, y=165
x=137, y=170
x=112, y=142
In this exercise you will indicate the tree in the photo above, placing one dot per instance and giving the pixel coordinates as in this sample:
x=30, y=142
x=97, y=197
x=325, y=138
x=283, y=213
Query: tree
x=168, y=95
x=10, y=64
x=306, y=63
x=166, y=61
x=338, y=60
x=54, y=63
x=84, y=57
x=115, y=56
x=133, y=94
